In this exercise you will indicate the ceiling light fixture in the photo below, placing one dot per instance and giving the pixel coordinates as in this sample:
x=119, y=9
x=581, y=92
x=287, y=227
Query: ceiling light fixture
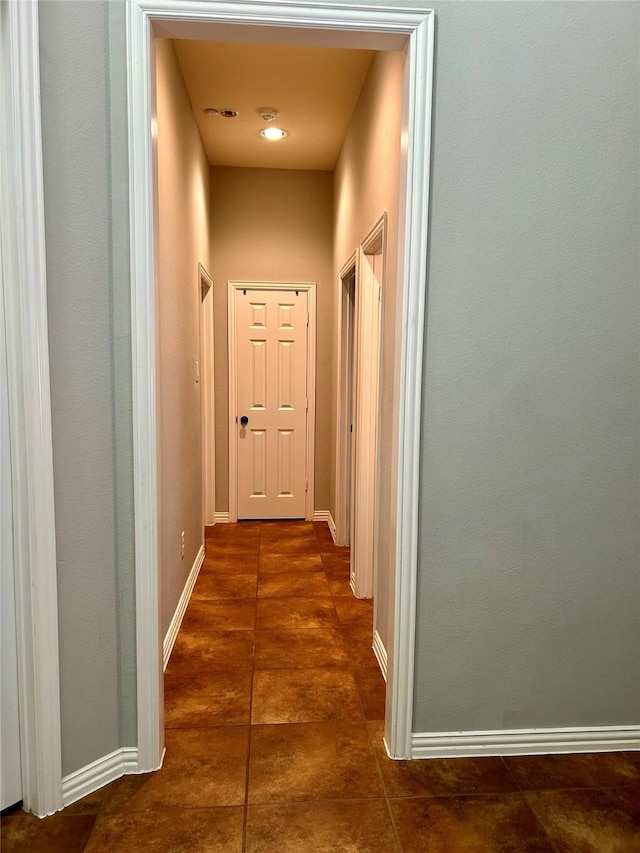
x=273, y=133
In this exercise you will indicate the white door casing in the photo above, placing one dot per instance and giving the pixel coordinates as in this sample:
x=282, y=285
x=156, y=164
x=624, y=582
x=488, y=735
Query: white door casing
x=272, y=384
x=10, y=757
x=24, y=291
x=369, y=294
x=345, y=333
x=401, y=27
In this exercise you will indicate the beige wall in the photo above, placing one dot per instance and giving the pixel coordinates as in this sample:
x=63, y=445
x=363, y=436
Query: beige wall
x=272, y=225
x=366, y=184
x=184, y=214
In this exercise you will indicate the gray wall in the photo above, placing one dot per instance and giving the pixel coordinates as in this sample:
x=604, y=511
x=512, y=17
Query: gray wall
x=528, y=610
x=529, y=566
x=85, y=171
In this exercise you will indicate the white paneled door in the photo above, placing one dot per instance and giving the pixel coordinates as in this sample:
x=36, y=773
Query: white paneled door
x=271, y=375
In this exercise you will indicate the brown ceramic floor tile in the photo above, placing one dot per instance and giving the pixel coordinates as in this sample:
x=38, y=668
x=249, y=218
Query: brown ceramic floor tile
x=436, y=777
x=241, y=530
x=361, y=826
x=311, y=761
x=202, y=768
x=311, y=584
x=290, y=563
x=488, y=824
x=178, y=831
x=289, y=545
x=590, y=821
x=373, y=691
x=202, y=698
x=211, y=586
x=205, y=649
x=306, y=647
x=337, y=564
x=231, y=564
x=232, y=548
x=270, y=531
x=219, y=616
x=296, y=613
x=304, y=696
x=587, y=770
x=59, y=833
x=358, y=643
x=339, y=585
x=354, y=613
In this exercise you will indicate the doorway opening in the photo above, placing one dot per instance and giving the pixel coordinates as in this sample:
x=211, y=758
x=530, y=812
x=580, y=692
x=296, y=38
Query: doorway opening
x=300, y=23
x=345, y=401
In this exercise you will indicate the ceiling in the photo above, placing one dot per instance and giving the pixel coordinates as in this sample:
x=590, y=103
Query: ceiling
x=314, y=89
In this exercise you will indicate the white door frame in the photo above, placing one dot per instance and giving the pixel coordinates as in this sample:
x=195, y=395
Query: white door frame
x=207, y=397
x=345, y=326
x=24, y=290
x=310, y=288
x=302, y=21
x=368, y=350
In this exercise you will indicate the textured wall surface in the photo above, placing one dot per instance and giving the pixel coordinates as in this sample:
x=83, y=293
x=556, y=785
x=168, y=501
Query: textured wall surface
x=528, y=611
x=366, y=185
x=90, y=378
x=272, y=225
x=183, y=241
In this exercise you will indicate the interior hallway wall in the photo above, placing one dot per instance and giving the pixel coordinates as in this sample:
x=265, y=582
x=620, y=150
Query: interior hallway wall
x=272, y=225
x=528, y=600
x=183, y=235
x=84, y=115
x=366, y=185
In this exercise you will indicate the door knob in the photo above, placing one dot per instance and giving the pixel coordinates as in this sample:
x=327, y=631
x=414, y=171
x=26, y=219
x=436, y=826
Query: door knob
x=244, y=420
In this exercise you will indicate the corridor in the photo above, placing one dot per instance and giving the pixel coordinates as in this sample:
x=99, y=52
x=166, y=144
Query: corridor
x=274, y=717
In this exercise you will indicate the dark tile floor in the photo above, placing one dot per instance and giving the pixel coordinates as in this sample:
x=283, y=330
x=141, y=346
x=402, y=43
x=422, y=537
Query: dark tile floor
x=274, y=715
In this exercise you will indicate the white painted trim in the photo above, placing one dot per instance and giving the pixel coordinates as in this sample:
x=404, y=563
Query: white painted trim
x=412, y=272
x=142, y=227
x=99, y=773
x=332, y=528
x=24, y=289
x=310, y=288
x=368, y=349
x=381, y=653
x=178, y=616
x=311, y=21
x=343, y=471
x=525, y=742
x=222, y=518
x=325, y=515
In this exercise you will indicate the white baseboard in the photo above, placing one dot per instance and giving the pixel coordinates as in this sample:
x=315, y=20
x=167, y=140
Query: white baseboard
x=325, y=515
x=221, y=518
x=174, y=627
x=381, y=653
x=524, y=742
x=107, y=769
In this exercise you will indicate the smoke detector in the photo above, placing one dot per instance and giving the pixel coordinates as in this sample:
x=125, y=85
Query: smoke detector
x=268, y=113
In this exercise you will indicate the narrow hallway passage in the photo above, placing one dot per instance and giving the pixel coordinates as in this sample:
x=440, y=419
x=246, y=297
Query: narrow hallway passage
x=274, y=720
